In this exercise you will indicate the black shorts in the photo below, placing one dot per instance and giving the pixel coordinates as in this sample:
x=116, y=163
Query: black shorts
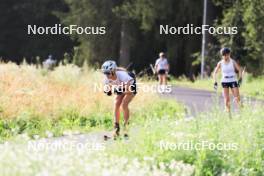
x=162, y=72
x=229, y=84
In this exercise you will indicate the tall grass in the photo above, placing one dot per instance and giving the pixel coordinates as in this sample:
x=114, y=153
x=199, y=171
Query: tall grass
x=47, y=94
x=35, y=101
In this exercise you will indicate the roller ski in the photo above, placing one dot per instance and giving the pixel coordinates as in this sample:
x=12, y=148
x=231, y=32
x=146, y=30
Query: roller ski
x=116, y=134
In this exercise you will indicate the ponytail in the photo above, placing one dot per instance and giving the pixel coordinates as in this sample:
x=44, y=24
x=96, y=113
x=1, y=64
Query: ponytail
x=121, y=69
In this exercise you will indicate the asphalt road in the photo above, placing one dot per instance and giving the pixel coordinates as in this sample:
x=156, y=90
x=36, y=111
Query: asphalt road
x=197, y=101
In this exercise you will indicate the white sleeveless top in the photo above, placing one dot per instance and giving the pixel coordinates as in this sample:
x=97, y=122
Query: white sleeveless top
x=162, y=64
x=228, y=71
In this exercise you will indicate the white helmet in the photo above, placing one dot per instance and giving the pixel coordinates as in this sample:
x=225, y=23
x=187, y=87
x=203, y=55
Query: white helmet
x=109, y=66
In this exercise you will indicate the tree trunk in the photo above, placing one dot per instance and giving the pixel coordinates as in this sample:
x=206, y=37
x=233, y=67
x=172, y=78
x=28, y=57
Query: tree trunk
x=124, y=57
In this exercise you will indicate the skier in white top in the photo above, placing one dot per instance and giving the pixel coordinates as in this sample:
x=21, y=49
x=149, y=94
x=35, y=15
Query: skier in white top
x=162, y=68
x=229, y=79
x=123, y=84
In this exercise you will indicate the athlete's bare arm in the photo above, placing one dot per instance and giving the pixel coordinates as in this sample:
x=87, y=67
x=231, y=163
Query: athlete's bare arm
x=216, y=70
x=239, y=70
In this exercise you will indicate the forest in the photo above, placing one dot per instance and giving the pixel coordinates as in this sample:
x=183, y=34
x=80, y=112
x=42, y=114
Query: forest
x=132, y=32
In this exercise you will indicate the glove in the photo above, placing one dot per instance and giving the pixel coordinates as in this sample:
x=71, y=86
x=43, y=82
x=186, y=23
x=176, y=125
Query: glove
x=109, y=93
x=215, y=85
x=239, y=82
